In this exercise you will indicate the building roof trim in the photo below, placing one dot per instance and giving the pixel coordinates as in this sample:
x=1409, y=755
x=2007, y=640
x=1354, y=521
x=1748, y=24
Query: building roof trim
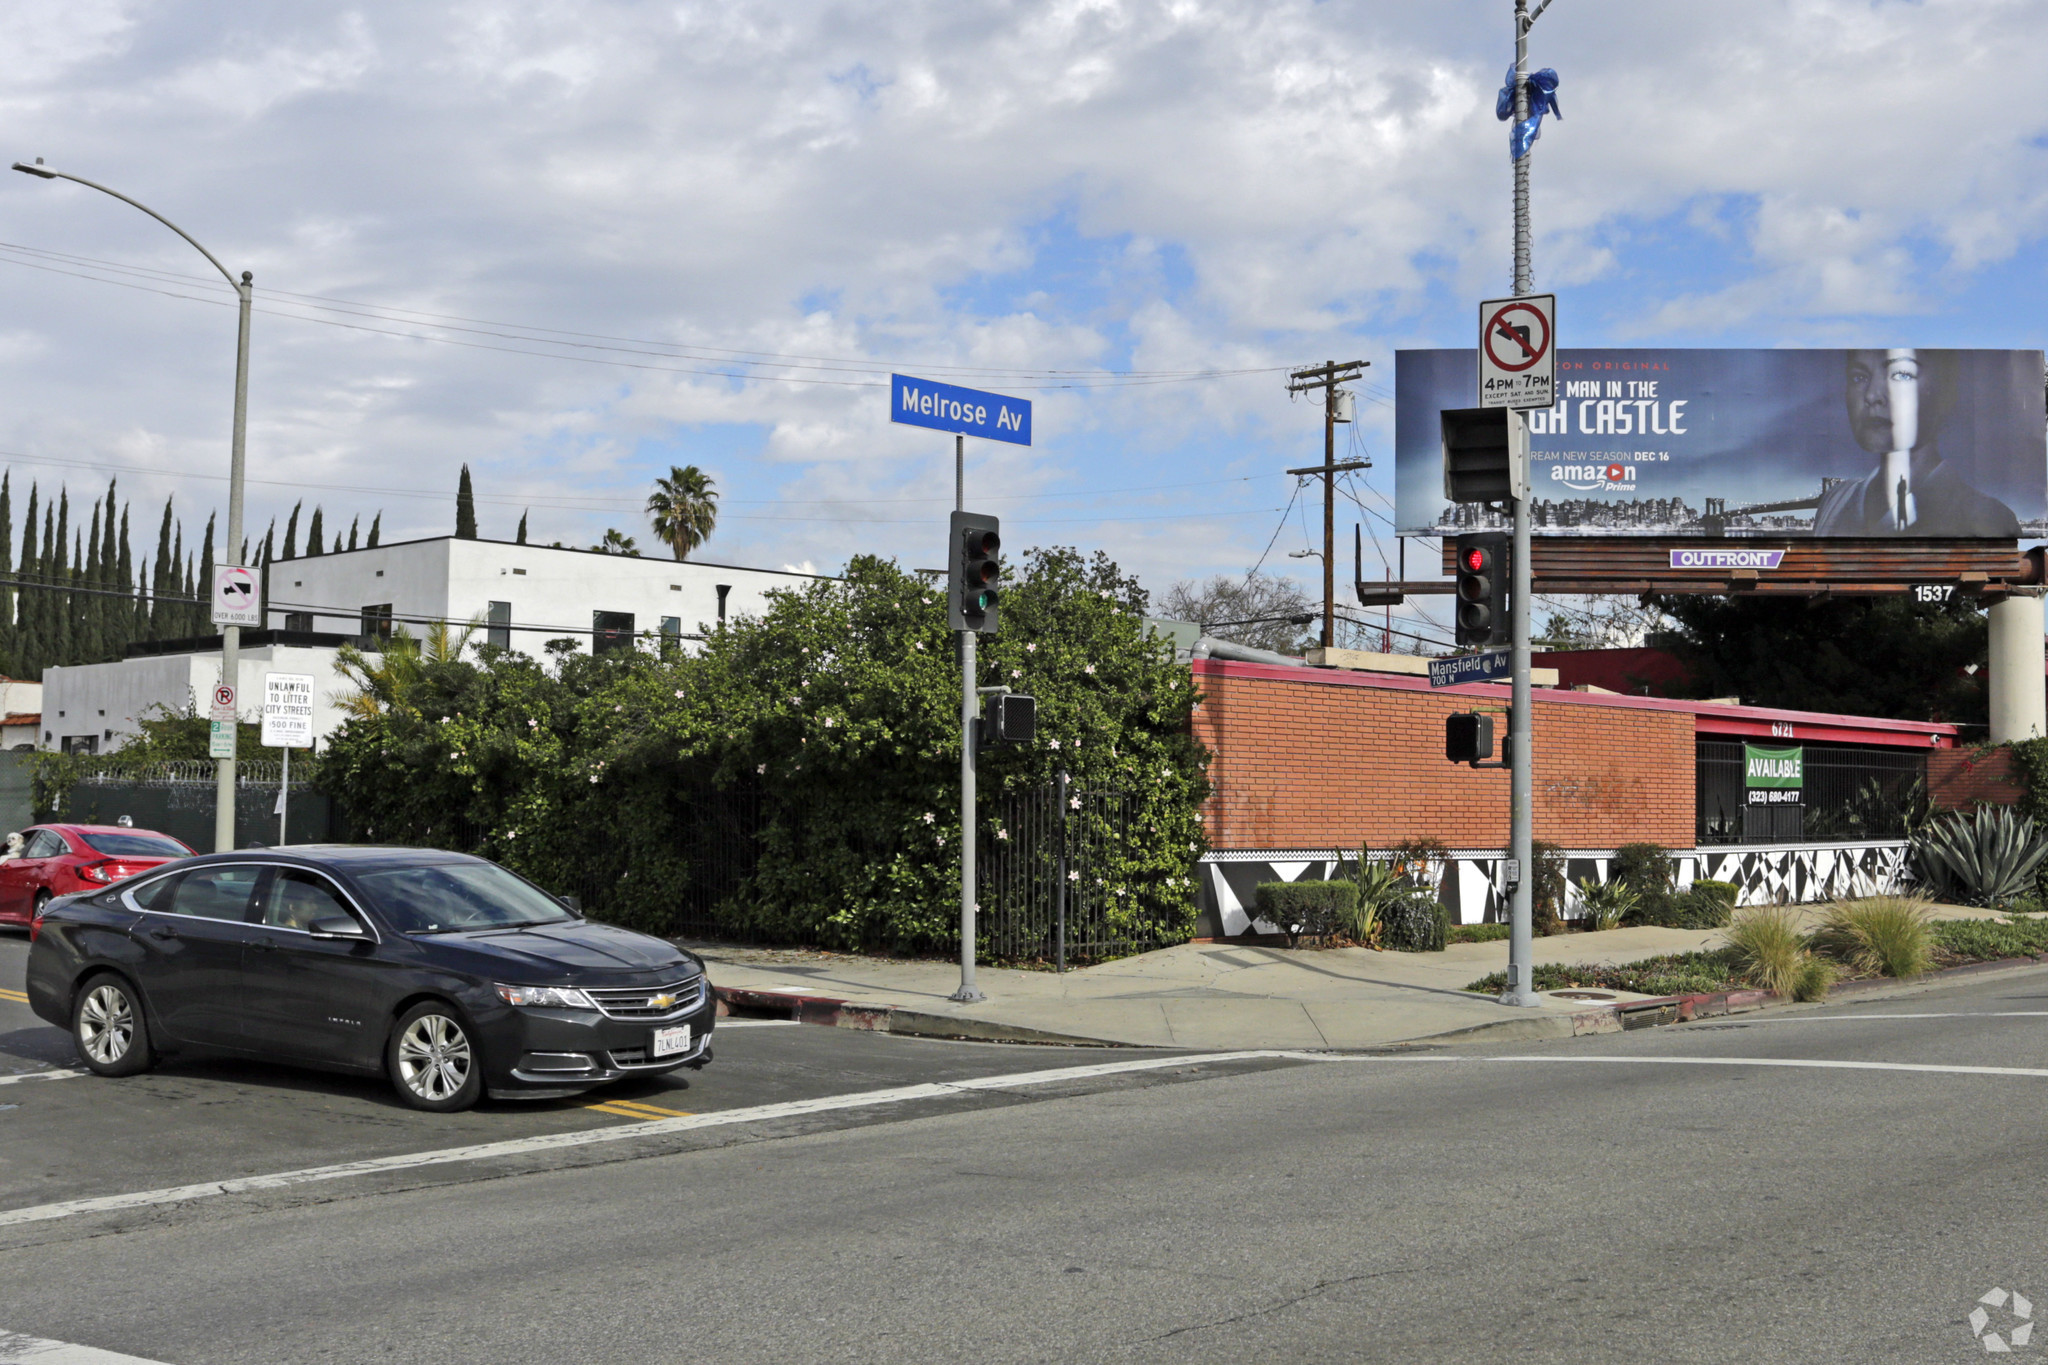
x=553, y=549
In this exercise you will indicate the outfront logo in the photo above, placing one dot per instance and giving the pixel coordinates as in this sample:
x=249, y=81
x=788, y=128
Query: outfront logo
x=1594, y=478
x=2002, y=1320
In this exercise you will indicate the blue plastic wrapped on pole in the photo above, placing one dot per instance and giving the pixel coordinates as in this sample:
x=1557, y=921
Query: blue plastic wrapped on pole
x=1542, y=100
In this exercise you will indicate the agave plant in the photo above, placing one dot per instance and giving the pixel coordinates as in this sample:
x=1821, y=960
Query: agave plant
x=1987, y=857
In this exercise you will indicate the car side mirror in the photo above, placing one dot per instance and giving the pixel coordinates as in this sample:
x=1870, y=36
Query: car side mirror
x=335, y=926
x=575, y=904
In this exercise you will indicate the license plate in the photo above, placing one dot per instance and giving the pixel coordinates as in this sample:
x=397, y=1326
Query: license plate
x=669, y=1041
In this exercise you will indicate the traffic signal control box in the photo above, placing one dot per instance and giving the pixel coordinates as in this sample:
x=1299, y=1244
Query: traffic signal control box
x=1468, y=737
x=1482, y=589
x=973, y=571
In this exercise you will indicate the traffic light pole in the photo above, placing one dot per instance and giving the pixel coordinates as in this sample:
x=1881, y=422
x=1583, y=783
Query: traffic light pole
x=1521, y=716
x=968, y=993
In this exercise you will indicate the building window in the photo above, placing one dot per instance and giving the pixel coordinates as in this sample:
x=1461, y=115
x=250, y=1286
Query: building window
x=377, y=623
x=723, y=589
x=610, y=631
x=298, y=620
x=498, y=625
x=520, y=572
x=671, y=632
x=81, y=744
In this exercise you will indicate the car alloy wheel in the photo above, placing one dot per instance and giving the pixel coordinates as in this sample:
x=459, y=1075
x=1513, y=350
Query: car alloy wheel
x=106, y=1024
x=434, y=1058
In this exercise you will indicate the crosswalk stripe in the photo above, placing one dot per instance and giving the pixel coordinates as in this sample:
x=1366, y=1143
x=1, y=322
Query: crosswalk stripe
x=16, y=1349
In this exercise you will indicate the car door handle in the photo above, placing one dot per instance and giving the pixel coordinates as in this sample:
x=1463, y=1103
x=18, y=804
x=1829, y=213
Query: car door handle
x=163, y=931
x=263, y=945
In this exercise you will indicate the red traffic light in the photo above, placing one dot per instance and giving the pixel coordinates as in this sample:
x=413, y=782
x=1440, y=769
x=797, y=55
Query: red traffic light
x=1475, y=560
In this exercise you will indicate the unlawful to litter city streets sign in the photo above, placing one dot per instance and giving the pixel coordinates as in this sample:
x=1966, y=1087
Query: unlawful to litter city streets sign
x=1468, y=668
x=1518, y=352
x=237, y=596
x=288, y=710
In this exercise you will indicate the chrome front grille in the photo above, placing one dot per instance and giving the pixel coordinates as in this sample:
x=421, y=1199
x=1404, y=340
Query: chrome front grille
x=638, y=1002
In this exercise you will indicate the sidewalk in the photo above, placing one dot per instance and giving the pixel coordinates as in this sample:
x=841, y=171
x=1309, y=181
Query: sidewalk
x=1204, y=996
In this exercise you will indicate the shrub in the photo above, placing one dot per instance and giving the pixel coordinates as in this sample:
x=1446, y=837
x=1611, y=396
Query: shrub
x=1307, y=909
x=1886, y=935
x=1701, y=907
x=1421, y=861
x=1816, y=975
x=1768, y=949
x=1670, y=974
x=1647, y=870
x=1984, y=940
x=1726, y=892
x=1415, y=924
x=1479, y=933
x=1986, y=857
x=1379, y=886
x=1606, y=904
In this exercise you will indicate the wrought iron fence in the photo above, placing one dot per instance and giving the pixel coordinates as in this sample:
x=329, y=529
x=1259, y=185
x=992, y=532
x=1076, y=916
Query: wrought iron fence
x=1046, y=890
x=1849, y=793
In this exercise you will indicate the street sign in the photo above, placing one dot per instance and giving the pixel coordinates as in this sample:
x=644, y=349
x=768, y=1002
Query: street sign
x=220, y=739
x=947, y=407
x=1518, y=352
x=288, y=710
x=237, y=596
x=1467, y=668
x=223, y=705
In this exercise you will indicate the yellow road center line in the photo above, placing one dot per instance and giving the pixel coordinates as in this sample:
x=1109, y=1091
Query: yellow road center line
x=20, y=996
x=649, y=1109
x=617, y=1113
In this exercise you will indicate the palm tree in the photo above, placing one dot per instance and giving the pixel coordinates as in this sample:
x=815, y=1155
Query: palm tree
x=616, y=542
x=684, y=507
x=391, y=679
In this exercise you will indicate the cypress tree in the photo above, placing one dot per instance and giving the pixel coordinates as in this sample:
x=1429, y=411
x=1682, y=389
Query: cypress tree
x=291, y=533
x=125, y=609
x=86, y=604
x=522, y=529
x=465, y=508
x=315, y=537
x=49, y=607
x=28, y=636
x=107, y=606
x=159, y=587
x=8, y=635
x=202, y=610
x=190, y=590
x=375, y=522
x=353, y=522
x=62, y=632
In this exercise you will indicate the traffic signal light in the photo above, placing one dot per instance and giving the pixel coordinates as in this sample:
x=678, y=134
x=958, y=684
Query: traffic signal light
x=1468, y=737
x=1486, y=454
x=1483, y=589
x=971, y=590
x=1009, y=718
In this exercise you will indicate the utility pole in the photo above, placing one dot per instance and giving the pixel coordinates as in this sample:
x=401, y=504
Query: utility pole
x=1327, y=376
x=1521, y=748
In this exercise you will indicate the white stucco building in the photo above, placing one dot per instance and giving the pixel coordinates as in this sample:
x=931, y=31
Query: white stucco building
x=97, y=708
x=522, y=595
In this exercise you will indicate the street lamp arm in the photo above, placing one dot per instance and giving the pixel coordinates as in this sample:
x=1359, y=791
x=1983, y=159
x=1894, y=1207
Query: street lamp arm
x=1534, y=15
x=46, y=173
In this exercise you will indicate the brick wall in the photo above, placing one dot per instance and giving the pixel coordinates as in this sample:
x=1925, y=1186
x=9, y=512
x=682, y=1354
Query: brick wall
x=1958, y=779
x=1328, y=760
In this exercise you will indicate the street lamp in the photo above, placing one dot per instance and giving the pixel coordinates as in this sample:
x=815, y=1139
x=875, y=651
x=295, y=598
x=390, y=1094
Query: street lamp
x=230, y=636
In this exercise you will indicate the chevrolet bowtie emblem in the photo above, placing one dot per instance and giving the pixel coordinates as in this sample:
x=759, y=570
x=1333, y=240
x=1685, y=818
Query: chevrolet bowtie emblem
x=662, y=1002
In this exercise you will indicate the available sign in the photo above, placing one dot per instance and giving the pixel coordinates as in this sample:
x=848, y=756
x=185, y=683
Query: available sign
x=1774, y=777
x=948, y=407
x=1467, y=668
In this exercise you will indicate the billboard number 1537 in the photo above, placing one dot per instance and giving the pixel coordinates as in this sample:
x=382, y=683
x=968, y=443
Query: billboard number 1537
x=1934, y=594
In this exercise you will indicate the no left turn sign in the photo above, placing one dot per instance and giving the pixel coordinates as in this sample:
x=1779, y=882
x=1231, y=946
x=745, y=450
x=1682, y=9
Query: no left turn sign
x=1518, y=352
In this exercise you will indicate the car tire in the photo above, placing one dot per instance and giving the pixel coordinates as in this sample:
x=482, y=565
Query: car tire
x=43, y=898
x=433, y=1061
x=108, y=1027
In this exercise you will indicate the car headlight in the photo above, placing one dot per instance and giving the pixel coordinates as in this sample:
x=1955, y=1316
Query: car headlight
x=547, y=997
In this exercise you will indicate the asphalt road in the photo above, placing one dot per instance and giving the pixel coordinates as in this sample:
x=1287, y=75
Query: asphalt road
x=1835, y=1184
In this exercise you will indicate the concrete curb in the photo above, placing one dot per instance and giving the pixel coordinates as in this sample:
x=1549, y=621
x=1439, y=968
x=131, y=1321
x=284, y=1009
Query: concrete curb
x=883, y=1018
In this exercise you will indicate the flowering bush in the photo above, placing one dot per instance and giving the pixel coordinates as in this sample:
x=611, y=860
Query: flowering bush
x=840, y=707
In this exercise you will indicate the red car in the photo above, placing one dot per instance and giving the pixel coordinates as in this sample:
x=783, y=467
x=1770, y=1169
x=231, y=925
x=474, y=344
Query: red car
x=62, y=860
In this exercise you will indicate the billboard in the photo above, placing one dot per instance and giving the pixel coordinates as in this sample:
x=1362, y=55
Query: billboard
x=1848, y=443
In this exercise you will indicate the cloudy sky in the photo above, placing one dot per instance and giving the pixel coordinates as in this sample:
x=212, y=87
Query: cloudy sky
x=574, y=244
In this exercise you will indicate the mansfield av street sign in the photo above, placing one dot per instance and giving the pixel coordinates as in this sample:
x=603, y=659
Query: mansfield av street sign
x=948, y=407
x=1468, y=668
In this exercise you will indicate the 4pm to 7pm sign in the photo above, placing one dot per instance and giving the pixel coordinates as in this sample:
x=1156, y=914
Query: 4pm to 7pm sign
x=948, y=407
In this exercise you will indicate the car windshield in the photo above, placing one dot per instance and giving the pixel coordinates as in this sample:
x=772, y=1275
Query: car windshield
x=135, y=845
x=441, y=897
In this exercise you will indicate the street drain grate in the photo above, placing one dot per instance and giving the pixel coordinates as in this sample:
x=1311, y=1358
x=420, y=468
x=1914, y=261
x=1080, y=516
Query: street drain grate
x=1583, y=995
